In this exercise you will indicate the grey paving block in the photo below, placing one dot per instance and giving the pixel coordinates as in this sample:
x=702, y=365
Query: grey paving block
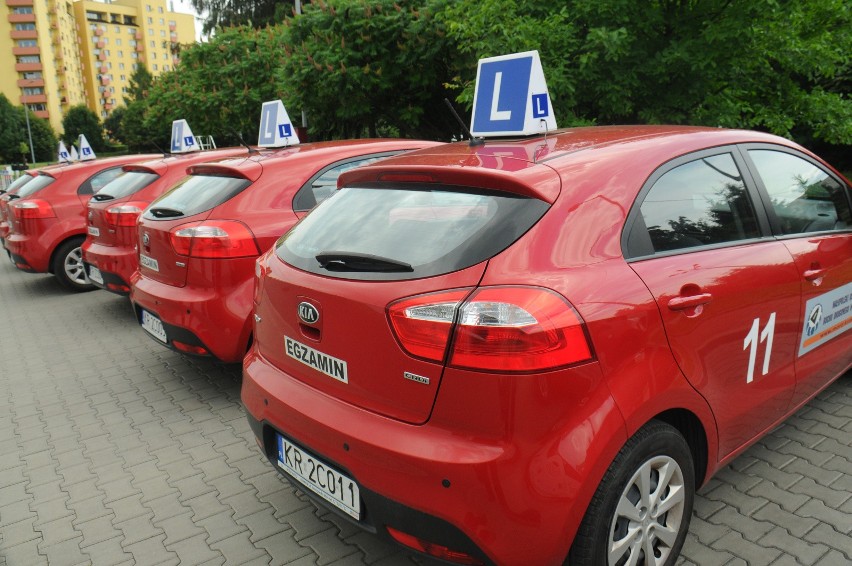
x=805, y=552
x=13, y=512
x=830, y=537
x=220, y=527
x=830, y=497
x=194, y=550
x=151, y=551
x=753, y=554
x=137, y=530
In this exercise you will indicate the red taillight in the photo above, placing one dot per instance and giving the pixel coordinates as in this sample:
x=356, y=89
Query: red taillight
x=422, y=324
x=35, y=208
x=124, y=214
x=509, y=329
x=214, y=239
x=190, y=349
x=433, y=549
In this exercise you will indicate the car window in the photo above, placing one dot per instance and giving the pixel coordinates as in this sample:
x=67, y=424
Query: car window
x=125, y=184
x=804, y=197
x=37, y=184
x=324, y=183
x=195, y=194
x=99, y=180
x=405, y=233
x=700, y=203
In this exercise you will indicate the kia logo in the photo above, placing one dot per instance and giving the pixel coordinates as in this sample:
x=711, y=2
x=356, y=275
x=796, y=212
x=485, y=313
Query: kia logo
x=308, y=313
x=146, y=239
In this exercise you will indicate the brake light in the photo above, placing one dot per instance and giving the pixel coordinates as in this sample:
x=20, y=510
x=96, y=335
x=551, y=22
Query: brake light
x=509, y=329
x=124, y=214
x=35, y=208
x=433, y=549
x=423, y=324
x=214, y=239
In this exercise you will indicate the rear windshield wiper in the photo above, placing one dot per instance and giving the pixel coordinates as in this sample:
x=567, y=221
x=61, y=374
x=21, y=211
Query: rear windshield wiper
x=165, y=212
x=349, y=261
x=102, y=197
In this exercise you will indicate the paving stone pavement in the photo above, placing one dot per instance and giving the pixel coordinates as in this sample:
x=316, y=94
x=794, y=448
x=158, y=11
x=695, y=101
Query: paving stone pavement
x=116, y=451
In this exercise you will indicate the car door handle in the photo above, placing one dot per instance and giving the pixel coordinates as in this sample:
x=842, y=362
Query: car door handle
x=814, y=274
x=690, y=302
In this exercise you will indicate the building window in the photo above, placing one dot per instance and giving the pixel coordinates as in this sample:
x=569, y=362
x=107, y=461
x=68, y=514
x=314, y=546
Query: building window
x=117, y=29
x=37, y=107
x=153, y=43
x=122, y=77
x=162, y=22
x=25, y=27
x=150, y=31
x=22, y=10
x=165, y=67
x=33, y=75
x=29, y=91
x=153, y=55
x=29, y=59
x=160, y=9
x=162, y=33
x=147, y=7
x=27, y=43
x=155, y=67
x=121, y=67
x=120, y=53
x=150, y=21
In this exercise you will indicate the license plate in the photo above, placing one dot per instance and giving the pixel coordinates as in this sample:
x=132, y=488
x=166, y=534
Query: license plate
x=154, y=326
x=149, y=262
x=317, y=476
x=94, y=231
x=95, y=275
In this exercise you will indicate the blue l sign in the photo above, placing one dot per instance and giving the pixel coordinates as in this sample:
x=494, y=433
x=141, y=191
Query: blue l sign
x=177, y=134
x=501, y=99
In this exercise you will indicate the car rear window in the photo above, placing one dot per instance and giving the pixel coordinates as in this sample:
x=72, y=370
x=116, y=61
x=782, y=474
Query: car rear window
x=19, y=182
x=125, y=184
x=35, y=185
x=195, y=194
x=394, y=234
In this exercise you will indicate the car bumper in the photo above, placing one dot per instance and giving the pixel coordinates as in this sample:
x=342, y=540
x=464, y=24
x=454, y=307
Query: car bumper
x=209, y=317
x=115, y=263
x=474, y=493
x=27, y=253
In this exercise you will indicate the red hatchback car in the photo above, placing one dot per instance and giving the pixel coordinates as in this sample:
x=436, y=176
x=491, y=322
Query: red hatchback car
x=532, y=352
x=198, y=243
x=110, y=251
x=47, y=223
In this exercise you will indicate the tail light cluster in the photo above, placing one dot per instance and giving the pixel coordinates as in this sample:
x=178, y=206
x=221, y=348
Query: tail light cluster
x=214, y=239
x=33, y=208
x=125, y=214
x=509, y=329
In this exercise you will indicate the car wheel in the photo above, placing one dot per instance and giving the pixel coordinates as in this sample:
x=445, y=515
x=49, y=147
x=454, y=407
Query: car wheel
x=640, y=512
x=69, y=268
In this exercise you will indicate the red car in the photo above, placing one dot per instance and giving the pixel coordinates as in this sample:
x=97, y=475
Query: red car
x=10, y=194
x=110, y=251
x=47, y=221
x=198, y=243
x=533, y=352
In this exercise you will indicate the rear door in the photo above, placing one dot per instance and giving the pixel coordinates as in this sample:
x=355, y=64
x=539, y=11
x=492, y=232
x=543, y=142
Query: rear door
x=727, y=293
x=811, y=214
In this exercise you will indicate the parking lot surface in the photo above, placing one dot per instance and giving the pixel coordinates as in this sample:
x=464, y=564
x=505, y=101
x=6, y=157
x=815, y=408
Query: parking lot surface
x=114, y=450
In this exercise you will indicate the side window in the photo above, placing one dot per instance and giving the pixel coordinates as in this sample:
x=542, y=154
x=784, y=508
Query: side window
x=803, y=196
x=699, y=203
x=97, y=181
x=323, y=184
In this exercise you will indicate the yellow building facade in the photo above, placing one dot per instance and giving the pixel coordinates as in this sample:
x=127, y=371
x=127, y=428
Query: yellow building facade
x=55, y=54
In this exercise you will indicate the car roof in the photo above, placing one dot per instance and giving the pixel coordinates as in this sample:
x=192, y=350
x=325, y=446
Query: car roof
x=165, y=161
x=525, y=165
x=100, y=163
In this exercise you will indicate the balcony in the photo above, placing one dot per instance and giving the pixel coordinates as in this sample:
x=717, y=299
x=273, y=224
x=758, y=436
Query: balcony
x=25, y=51
x=24, y=67
x=30, y=82
x=139, y=34
x=102, y=69
x=172, y=27
x=15, y=3
x=24, y=34
x=21, y=18
x=99, y=31
x=107, y=106
x=42, y=114
x=140, y=47
x=101, y=44
x=102, y=57
x=104, y=81
x=105, y=94
x=141, y=59
x=33, y=98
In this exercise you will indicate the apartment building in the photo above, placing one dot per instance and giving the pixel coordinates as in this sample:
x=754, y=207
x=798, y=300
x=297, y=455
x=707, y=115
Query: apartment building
x=55, y=54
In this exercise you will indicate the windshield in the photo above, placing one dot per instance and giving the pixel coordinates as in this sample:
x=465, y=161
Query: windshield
x=37, y=184
x=19, y=182
x=127, y=183
x=404, y=234
x=195, y=194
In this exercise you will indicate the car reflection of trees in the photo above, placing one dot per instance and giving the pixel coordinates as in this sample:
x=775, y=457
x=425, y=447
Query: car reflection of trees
x=729, y=216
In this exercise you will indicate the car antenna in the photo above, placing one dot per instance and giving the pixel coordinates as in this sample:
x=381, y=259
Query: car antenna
x=243, y=142
x=473, y=141
x=160, y=149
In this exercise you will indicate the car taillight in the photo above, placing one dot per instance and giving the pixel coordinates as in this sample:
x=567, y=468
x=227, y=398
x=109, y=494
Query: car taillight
x=124, y=214
x=35, y=208
x=214, y=239
x=509, y=329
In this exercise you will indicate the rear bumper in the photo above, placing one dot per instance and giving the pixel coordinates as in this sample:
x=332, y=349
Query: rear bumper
x=116, y=264
x=28, y=251
x=211, y=317
x=512, y=497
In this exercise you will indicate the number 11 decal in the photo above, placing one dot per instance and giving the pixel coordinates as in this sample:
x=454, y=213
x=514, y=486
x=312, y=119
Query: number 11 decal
x=751, y=342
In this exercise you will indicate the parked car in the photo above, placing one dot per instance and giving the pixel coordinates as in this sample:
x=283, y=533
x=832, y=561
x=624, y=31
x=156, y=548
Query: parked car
x=10, y=194
x=198, y=243
x=534, y=351
x=110, y=251
x=47, y=220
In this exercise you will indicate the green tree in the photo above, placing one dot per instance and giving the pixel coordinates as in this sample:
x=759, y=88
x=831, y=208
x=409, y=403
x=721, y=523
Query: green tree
x=45, y=142
x=776, y=65
x=361, y=67
x=80, y=120
x=226, y=13
x=219, y=86
x=139, y=84
x=112, y=124
x=14, y=138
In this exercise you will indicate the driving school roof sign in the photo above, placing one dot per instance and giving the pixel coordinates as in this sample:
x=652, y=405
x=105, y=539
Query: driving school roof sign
x=182, y=139
x=276, y=128
x=511, y=97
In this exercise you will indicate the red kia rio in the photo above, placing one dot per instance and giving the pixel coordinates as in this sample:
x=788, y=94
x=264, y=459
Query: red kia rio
x=198, y=243
x=47, y=223
x=110, y=251
x=10, y=194
x=534, y=351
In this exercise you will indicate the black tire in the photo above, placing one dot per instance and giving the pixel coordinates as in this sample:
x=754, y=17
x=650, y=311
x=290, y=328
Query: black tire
x=69, y=268
x=659, y=452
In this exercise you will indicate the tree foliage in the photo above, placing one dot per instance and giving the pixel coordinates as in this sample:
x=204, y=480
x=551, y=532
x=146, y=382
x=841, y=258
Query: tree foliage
x=227, y=13
x=14, y=139
x=80, y=120
x=776, y=65
x=139, y=84
x=219, y=86
x=360, y=66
